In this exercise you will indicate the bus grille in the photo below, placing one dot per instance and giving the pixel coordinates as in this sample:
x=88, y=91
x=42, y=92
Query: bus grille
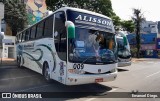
x=96, y=73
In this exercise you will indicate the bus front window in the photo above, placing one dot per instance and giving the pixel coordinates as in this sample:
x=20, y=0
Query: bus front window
x=92, y=46
x=123, y=51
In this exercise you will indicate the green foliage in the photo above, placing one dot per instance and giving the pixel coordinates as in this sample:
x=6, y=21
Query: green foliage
x=116, y=21
x=128, y=25
x=99, y=6
x=15, y=15
x=133, y=51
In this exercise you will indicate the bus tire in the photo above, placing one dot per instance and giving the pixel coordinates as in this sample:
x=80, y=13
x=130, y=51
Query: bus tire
x=18, y=62
x=46, y=72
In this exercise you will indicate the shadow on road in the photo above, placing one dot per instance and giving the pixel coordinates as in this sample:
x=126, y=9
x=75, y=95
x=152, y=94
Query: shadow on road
x=122, y=70
x=79, y=91
x=14, y=79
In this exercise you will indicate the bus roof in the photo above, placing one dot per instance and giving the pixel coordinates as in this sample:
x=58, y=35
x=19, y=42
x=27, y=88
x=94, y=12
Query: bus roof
x=70, y=8
x=83, y=11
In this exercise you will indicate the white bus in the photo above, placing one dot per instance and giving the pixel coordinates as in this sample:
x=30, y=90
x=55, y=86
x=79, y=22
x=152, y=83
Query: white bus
x=72, y=46
x=124, y=54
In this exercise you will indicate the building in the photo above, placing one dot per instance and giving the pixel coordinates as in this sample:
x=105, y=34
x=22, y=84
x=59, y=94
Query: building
x=36, y=10
x=149, y=27
x=149, y=44
x=9, y=49
x=158, y=29
x=158, y=47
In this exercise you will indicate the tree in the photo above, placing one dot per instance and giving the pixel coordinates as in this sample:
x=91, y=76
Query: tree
x=15, y=15
x=138, y=18
x=99, y=6
x=128, y=25
x=116, y=21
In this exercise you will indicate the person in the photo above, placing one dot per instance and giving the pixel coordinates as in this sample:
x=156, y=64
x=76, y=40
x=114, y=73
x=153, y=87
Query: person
x=93, y=42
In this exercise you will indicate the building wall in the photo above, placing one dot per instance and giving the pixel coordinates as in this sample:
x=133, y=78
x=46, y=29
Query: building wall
x=145, y=38
x=149, y=27
x=158, y=43
x=3, y=26
x=9, y=50
x=158, y=29
x=148, y=45
x=36, y=9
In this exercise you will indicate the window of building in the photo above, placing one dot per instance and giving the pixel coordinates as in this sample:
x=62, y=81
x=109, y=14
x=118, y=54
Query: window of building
x=60, y=35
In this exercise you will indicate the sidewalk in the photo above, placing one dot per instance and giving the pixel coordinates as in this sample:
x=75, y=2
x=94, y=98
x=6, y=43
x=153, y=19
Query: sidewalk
x=8, y=62
x=143, y=59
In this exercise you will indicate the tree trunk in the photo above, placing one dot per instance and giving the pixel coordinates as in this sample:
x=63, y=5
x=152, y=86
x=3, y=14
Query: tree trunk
x=138, y=41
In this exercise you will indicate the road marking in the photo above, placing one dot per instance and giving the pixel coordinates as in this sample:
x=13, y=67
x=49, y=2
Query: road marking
x=95, y=98
x=153, y=74
x=150, y=62
x=32, y=88
x=17, y=78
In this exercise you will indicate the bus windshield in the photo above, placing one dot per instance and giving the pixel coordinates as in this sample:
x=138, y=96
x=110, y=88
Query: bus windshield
x=92, y=46
x=123, y=51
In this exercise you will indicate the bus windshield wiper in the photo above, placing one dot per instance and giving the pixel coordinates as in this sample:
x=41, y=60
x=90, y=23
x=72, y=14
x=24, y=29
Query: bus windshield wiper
x=87, y=59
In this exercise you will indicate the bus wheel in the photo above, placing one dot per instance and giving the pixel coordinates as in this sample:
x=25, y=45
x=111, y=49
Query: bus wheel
x=46, y=72
x=19, y=62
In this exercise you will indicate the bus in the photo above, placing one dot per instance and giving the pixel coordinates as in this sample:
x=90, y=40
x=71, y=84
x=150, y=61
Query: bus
x=124, y=53
x=72, y=46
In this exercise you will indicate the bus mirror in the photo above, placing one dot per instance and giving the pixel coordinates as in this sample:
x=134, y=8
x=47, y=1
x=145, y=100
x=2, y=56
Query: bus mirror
x=70, y=29
x=125, y=40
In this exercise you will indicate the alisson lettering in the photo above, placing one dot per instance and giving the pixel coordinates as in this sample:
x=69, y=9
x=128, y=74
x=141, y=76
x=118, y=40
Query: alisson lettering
x=94, y=20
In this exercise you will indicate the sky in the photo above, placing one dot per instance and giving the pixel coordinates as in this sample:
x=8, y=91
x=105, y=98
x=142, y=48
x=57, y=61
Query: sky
x=149, y=8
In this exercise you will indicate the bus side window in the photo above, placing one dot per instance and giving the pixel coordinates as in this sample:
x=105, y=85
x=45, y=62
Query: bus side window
x=61, y=37
x=40, y=30
x=27, y=35
x=23, y=37
x=19, y=39
x=33, y=32
x=48, y=29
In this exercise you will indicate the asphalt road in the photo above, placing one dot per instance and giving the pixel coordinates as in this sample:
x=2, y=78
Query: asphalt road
x=141, y=76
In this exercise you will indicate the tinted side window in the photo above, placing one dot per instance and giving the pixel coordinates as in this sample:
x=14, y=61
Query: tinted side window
x=20, y=37
x=60, y=35
x=40, y=30
x=33, y=32
x=27, y=35
x=48, y=29
x=23, y=37
x=17, y=38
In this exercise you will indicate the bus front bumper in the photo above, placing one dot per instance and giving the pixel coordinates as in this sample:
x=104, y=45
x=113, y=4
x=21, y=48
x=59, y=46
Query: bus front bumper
x=86, y=79
x=123, y=64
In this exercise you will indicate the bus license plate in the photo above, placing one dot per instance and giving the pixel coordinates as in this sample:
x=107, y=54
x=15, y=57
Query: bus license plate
x=99, y=80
